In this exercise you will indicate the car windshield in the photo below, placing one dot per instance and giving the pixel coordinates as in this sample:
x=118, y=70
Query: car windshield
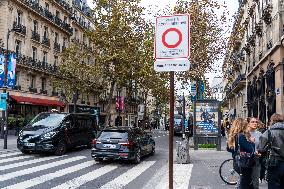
x=113, y=135
x=47, y=120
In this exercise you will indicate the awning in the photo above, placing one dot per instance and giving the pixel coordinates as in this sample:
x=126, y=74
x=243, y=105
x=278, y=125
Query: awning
x=37, y=101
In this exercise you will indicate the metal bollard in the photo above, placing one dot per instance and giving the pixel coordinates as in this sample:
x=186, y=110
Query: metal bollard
x=182, y=152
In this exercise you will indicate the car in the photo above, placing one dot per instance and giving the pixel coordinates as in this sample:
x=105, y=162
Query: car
x=122, y=143
x=56, y=132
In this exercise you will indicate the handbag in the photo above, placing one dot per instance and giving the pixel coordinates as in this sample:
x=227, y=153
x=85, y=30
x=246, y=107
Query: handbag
x=271, y=160
x=244, y=159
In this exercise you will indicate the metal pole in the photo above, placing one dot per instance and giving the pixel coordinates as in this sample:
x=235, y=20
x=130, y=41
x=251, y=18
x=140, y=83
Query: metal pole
x=183, y=117
x=172, y=100
x=4, y=91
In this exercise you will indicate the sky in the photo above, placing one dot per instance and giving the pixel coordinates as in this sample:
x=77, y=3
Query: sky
x=231, y=4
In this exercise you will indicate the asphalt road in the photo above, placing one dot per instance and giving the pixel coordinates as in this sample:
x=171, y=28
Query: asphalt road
x=77, y=169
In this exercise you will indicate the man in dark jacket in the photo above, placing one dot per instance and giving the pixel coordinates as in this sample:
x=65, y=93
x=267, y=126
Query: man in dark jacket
x=273, y=139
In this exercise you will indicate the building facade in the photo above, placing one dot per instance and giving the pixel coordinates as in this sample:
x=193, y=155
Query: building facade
x=253, y=67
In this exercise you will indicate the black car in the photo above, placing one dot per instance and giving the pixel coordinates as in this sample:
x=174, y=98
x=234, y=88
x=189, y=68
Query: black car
x=56, y=132
x=123, y=143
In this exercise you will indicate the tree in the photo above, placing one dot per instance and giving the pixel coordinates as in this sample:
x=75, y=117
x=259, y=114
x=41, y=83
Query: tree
x=76, y=73
x=208, y=41
x=117, y=39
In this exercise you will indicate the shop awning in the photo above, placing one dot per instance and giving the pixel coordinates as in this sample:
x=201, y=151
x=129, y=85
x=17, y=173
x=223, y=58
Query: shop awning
x=37, y=101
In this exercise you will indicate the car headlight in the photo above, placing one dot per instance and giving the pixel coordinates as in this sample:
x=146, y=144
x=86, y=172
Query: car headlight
x=48, y=135
x=20, y=134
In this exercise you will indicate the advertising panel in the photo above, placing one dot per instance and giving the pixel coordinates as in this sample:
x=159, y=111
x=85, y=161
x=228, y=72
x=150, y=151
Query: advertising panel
x=207, y=115
x=3, y=101
x=11, y=70
x=2, y=71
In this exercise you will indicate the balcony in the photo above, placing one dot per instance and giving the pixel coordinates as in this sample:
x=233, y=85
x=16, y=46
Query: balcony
x=238, y=83
x=19, y=28
x=56, y=47
x=33, y=90
x=36, y=8
x=54, y=93
x=64, y=5
x=46, y=41
x=84, y=9
x=17, y=87
x=43, y=91
x=35, y=36
x=29, y=63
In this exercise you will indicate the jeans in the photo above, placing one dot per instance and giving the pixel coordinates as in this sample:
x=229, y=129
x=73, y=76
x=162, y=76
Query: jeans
x=256, y=173
x=246, y=178
x=276, y=176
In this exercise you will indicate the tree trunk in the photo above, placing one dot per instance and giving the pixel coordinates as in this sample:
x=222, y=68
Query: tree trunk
x=108, y=109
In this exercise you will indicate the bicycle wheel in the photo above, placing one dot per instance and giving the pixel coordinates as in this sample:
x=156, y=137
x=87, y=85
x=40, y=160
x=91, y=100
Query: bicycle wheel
x=227, y=172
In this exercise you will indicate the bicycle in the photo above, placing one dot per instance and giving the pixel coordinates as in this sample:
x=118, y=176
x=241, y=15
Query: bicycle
x=227, y=172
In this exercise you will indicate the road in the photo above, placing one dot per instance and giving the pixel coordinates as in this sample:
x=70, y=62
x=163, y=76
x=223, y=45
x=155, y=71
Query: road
x=77, y=169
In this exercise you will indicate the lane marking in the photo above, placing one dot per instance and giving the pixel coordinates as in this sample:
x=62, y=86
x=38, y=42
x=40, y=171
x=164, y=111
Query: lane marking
x=14, y=159
x=38, y=168
x=50, y=176
x=77, y=182
x=127, y=177
x=10, y=154
x=10, y=166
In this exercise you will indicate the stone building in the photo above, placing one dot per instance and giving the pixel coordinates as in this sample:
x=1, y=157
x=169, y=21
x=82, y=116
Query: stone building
x=253, y=67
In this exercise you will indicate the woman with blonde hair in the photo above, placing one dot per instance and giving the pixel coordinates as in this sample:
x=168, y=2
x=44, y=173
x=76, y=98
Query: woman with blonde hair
x=238, y=142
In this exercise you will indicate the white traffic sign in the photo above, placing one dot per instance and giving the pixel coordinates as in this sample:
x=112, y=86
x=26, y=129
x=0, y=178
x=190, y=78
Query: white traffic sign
x=172, y=43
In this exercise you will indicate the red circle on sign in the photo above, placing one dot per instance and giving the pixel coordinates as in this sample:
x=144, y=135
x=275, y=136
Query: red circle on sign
x=179, y=38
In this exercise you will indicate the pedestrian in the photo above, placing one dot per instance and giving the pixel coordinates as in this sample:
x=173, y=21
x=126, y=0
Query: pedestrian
x=272, y=142
x=240, y=144
x=253, y=124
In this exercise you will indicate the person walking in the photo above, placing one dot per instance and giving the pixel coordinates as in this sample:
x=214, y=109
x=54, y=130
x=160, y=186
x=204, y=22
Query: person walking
x=272, y=140
x=254, y=134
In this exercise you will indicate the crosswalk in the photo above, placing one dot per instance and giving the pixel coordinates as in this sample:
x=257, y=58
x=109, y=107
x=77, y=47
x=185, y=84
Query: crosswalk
x=21, y=171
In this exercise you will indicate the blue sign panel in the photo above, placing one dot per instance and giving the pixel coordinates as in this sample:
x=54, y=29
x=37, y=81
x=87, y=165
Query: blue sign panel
x=2, y=72
x=3, y=101
x=11, y=70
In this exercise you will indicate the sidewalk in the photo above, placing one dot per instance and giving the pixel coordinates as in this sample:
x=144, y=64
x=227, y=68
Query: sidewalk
x=11, y=143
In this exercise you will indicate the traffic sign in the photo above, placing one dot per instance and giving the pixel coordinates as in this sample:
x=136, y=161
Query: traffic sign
x=172, y=43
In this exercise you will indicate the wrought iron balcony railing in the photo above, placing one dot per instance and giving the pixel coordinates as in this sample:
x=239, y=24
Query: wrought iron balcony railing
x=46, y=41
x=35, y=36
x=19, y=28
x=56, y=47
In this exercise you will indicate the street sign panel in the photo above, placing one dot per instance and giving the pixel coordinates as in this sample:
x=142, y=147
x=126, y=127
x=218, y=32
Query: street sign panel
x=172, y=43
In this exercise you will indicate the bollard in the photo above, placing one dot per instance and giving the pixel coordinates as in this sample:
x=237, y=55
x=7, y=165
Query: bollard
x=182, y=152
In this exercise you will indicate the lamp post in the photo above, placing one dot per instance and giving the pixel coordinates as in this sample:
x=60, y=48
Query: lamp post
x=5, y=112
x=118, y=106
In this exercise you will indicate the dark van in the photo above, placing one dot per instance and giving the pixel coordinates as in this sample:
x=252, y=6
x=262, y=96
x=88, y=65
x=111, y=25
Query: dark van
x=57, y=132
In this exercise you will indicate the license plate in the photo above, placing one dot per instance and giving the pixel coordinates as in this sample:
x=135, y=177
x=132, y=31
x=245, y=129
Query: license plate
x=109, y=146
x=29, y=144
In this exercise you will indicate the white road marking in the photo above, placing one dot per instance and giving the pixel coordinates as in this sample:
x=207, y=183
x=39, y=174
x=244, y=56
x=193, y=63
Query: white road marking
x=50, y=176
x=127, y=177
x=182, y=174
x=10, y=154
x=159, y=136
x=14, y=159
x=22, y=163
x=77, y=182
x=38, y=168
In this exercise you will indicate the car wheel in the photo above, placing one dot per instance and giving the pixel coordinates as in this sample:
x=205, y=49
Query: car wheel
x=61, y=148
x=98, y=159
x=25, y=152
x=137, y=159
x=153, y=151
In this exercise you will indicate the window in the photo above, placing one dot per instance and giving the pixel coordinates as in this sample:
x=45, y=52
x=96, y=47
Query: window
x=76, y=33
x=64, y=41
x=56, y=37
x=45, y=34
x=57, y=14
x=34, y=53
x=35, y=26
x=46, y=6
x=43, y=83
x=17, y=78
x=19, y=18
x=65, y=20
x=44, y=59
x=18, y=48
x=33, y=82
x=55, y=60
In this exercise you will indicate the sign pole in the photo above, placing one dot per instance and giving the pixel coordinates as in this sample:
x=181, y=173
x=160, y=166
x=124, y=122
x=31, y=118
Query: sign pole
x=171, y=126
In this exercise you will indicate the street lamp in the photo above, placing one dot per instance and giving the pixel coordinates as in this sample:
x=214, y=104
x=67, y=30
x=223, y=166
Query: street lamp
x=118, y=106
x=5, y=112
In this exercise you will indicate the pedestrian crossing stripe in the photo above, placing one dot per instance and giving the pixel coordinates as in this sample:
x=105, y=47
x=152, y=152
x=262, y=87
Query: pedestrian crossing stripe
x=13, y=159
x=39, y=168
x=77, y=182
x=23, y=163
x=122, y=180
x=10, y=154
